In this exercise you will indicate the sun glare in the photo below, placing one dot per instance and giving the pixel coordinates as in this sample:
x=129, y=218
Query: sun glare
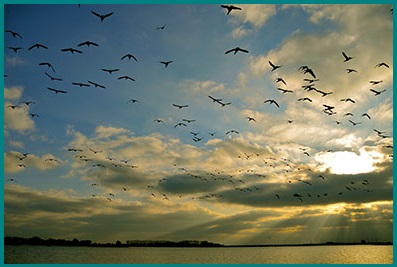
x=345, y=162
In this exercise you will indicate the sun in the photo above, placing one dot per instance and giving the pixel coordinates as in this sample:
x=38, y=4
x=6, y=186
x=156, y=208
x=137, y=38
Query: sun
x=346, y=162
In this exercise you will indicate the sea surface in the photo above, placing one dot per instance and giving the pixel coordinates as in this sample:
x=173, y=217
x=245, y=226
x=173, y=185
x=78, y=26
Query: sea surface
x=358, y=254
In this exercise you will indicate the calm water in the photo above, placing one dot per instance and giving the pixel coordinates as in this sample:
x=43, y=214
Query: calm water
x=321, y=254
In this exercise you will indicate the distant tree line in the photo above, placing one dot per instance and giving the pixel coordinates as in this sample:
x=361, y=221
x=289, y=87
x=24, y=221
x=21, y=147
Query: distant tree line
x=37, y=241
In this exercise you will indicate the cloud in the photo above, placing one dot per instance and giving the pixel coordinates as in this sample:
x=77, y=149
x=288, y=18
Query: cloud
x=14, y=61
x=15, y=161
x=256, y=15
x=13, y=93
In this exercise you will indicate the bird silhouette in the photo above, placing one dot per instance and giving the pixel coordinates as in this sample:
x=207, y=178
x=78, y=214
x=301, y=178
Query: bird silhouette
x=375, y=82
x=215, y=99
x=351, y=70
x=110, y=70
x=232, y=131
x=230, y=8
x=381, y=64
x=166, y=63
x=161, y=27
x=27, y=103
x=284, y=90
x=37, y=45
x=354, y=123
x=129, y=56
x=224, y=104
x=271, y=101
x=102, y=16
x=71, y=50
x=48, y=65
x=96, y=84
x=180, y=124
x=305, y=99
x=188, y=121
x=56, y=90
x=347, y=58
x=235, y=50
x=251, y=119
x=180, y=106
x=88, y=43
x=348, y=100
x=81, y=84
x=348, y=114
x=53, y=78
x=274, y=67
x=377, y=92
x=133, y=101
x=280, y=80
x=15, y=49
x=126, y=78
x=366, y=115
x=14, y=34
x=158, y=121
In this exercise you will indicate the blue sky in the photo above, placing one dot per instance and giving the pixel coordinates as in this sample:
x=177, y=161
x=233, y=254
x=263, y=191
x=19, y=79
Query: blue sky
x=291, y=169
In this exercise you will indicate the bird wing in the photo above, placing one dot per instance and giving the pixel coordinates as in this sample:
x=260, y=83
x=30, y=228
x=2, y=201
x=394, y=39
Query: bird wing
x=271, y=64
x=243, y=50
x=344, y=55
x=96, y=14
x=231, y=50
x=108, y=15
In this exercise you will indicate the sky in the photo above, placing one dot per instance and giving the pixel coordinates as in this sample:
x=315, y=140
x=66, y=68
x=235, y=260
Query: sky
x=216, y=145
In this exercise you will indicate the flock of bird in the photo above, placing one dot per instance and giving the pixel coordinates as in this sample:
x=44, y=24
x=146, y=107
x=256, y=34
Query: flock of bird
x=224, y=183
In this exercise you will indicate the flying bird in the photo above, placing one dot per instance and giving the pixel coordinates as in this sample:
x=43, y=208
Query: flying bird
x=37, y=45
x=284, y=90
x=53, y=78
x=230, y=8
x=48, y=65
x=271, y=101
x=110, y=70
x=366, y=115
x=14, y=34
x=161, y=27
x=166, y=63
x=180, y=124
x=251, y=119
x=215, y=99
x=88, y=43
x=381, y=64
x=56, y=90
x=348, y=100
x=180, y=106
x=96, y=84
x=347, y=58
x=232, y=131
x=274, y=67
x=224, y=104
x=235, y=50
x=280, y=80
x=129, y=56
x=188, y=121
x=71, y=50
x=377, y=92
x=102, y=16
x=133, y=101
x=305, y=99
x=351, y=70
x=81, y=84
x=158, y=120
x=375, y=82
x=354, y=123
x=126, y=78
x=15, y=49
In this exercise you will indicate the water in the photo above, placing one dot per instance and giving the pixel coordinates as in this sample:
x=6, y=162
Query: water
x=360, y=254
